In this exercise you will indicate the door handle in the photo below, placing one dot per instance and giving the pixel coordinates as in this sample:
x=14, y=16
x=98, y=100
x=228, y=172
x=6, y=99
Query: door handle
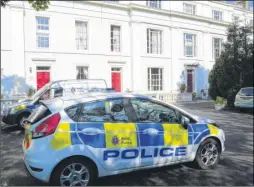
x=151, y=131
x=91, y=131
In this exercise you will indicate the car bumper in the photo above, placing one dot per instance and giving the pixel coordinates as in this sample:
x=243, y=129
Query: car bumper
x=38, y=165
x=244, y=105
x=9, y=119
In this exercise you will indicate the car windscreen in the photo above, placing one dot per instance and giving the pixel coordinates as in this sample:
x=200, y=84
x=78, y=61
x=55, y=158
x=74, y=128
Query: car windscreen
x=40, y=91
x=41, y=112
x=247, y=92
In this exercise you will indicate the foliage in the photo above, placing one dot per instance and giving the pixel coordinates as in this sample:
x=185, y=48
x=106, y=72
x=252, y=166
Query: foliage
x=36, y=4
x=220, y=101
x=194, y=94
x=30, y=93
x=234, y=68
x=183, y=86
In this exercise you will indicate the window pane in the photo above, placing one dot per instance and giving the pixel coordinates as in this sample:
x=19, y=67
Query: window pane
x=152, y=112
x=117, y=110
x=81, y=35
x=115, y=38
x=155, y=79
x=94, y=112
x=154, y=43
x=82, y=72
x=72, y=112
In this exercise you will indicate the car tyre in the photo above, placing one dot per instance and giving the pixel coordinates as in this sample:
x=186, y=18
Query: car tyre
x=210, y=148
x=21, y=119
x=60, y=169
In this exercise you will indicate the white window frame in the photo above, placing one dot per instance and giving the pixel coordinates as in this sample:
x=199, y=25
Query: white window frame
x=216, y=49
x=157, y=82
x=153, y=3
x=40, y=32
x=190, y=43
x=79, y=38
x=82, y=66
x=113, y=47
x=154, y=47
x=217, y=15
x=189, y=8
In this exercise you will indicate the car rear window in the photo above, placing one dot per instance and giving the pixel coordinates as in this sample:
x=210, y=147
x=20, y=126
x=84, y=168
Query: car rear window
x=41, y=112
x=247, y=92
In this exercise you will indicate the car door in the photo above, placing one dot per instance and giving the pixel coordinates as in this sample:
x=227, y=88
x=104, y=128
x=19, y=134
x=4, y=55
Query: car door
x=162, y=139
x=105, y=129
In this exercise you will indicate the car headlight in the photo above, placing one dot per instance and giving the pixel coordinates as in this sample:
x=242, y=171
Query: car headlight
x=17, y=108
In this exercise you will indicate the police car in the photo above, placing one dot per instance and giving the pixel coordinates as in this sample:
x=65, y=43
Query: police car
x=74, y=140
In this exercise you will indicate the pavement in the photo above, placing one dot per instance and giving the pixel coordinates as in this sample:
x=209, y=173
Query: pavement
x=235, y=167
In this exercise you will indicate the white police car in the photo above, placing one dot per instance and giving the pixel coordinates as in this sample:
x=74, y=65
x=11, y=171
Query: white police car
x=73, y=140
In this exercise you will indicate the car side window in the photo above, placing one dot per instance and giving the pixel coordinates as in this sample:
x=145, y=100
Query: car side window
x=148, y=111
x=72, y=112
x=104, y=111
x=117, y=110
x=94, y=112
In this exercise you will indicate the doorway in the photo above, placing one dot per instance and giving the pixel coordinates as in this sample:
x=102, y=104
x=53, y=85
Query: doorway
x=42, y=75
x=116, y=79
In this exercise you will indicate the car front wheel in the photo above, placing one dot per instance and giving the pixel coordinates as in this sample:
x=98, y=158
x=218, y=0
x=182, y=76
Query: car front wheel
x=208, y=154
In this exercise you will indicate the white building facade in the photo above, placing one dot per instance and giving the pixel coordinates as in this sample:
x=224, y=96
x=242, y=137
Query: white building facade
x=142, y=46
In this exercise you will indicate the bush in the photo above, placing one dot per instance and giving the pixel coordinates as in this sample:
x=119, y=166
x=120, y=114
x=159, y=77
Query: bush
x=30, y=93
x=220, y=101
x=182, y=88
x=234, y=68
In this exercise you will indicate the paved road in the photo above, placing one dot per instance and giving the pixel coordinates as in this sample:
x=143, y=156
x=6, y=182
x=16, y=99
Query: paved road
x=235, y=168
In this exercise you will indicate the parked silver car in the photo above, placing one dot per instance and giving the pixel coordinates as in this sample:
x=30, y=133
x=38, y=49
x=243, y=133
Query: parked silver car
x=244, y=98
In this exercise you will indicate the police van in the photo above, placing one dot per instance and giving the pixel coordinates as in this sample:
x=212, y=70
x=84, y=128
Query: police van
x=16, y=114
x=71, y=141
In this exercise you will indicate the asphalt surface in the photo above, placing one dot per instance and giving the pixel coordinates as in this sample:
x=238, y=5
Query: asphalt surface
x=235, y=167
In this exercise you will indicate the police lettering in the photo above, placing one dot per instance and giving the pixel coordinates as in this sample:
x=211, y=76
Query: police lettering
x=135, y=153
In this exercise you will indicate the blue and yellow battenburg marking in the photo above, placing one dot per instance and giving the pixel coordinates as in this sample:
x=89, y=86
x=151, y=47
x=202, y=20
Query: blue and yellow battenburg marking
x=130, y=135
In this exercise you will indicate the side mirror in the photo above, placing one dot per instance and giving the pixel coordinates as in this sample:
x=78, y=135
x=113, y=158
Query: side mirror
x=185, y=121
x=116, y=108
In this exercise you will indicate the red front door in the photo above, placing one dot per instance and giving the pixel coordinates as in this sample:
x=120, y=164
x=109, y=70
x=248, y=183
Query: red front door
x=43, y=77
x=116, y=81
x=189, y=81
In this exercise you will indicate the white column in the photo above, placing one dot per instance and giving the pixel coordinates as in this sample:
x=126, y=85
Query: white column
x=17, y=41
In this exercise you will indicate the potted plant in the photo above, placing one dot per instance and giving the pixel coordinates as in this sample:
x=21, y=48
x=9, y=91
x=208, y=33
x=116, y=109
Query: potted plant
x=220, y=103
x=31, y=91
x=194, y=94
x=182, y=88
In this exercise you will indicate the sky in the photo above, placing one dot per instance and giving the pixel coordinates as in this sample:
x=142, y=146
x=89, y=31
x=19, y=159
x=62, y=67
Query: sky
x=250, y=3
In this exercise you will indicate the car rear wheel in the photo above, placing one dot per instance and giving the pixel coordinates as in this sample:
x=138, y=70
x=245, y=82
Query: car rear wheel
x=73, y=172
x=208, y=154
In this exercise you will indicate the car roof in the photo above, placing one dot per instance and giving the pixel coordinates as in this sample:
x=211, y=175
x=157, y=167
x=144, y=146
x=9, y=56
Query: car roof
x=71, y=99
x=97, y=95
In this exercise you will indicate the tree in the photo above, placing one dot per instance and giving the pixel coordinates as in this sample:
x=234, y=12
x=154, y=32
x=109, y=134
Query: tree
x=234, y=68
x=36, y=4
